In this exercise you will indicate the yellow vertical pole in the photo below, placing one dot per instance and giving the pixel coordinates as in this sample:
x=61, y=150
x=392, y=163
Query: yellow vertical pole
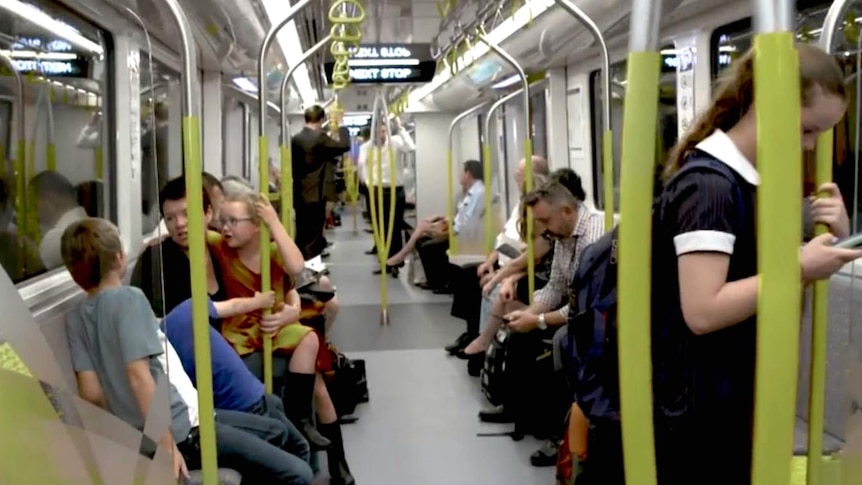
x=489, y=218
x=779, y=161
x=819, y=335
x=635, y=243
x=265, y=277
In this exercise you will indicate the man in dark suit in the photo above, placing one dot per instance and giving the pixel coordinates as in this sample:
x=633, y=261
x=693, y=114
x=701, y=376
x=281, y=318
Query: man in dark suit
x=312, y=149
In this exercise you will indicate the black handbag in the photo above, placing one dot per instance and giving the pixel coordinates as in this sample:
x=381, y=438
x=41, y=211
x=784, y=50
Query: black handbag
x=347, y=383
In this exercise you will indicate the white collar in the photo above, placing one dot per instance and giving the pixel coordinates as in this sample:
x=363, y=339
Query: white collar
x=720, y=146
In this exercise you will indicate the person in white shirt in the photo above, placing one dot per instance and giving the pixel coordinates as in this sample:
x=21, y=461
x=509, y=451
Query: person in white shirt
x=400, y=143
x=431, y=237
x=488, y=278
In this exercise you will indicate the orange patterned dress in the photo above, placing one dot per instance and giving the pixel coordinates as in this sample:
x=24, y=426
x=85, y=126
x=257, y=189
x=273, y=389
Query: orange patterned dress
x=243, y=331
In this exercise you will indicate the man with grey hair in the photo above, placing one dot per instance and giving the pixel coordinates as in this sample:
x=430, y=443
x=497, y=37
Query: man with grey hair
x=469, y=303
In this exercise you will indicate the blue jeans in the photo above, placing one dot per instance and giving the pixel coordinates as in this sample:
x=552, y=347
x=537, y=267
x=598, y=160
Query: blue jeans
x=255, y=447
x=271, y=407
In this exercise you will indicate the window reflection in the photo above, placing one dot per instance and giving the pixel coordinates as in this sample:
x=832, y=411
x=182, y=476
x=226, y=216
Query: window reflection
x=64, y=173
x=666, y=134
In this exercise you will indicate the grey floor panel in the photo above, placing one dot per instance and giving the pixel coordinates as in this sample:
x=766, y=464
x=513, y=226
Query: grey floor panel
x=420, y=427
x=358, y=286
x=412, y=326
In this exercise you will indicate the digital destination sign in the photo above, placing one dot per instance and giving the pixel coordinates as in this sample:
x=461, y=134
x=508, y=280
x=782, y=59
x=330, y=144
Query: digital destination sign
x=389, y=64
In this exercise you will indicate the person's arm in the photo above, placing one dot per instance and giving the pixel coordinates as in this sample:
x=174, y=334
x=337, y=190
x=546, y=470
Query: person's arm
x=333, y=147
x=291, y=257
x=89, y=386
x=402, y=141
x=548, y=297
x=241, y=306
x=469, y=211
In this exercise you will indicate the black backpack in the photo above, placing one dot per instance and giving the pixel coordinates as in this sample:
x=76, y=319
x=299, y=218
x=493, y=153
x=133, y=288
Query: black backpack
x=590, y=353
x=492, y=375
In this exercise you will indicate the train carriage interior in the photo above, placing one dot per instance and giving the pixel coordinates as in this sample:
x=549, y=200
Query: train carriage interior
x=395, y=141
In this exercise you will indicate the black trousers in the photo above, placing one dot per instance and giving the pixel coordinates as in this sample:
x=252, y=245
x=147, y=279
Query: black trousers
x=467, y=297
x=435, y=261
x=310, y=221
x=398, y=225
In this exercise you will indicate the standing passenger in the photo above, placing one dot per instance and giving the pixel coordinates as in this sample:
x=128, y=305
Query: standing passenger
x=704, y=318
x=400, y=143
x=312, y=149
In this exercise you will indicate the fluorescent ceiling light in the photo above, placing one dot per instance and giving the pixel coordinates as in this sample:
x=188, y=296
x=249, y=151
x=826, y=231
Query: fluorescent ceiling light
x=50, y=24
x=505, y=83
x=291, y=47
x=530, y=10
x=245, y=84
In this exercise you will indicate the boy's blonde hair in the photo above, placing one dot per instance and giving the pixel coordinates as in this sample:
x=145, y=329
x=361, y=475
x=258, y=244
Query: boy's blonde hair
x=90, y=248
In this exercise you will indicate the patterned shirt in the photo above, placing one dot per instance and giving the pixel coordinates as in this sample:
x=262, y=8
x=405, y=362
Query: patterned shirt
x=589, y=227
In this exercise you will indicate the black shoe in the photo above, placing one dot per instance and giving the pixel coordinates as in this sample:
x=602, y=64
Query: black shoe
x=339, y=472
x=475, y=364
x=465, y=356
x=495, y=414
x=348, y=419
x=459, y=344
x=546, y=455
x=324, y=254
x=393, y=270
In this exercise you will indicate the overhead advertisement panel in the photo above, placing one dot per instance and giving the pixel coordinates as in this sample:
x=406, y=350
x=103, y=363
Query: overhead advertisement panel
x=389, y=64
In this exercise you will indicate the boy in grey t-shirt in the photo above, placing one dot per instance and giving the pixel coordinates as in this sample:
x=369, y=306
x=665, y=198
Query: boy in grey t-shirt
x=114, y=353
x=116, y=350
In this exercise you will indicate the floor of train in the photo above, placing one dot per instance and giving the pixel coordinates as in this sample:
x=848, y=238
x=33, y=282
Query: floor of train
x=421, y=424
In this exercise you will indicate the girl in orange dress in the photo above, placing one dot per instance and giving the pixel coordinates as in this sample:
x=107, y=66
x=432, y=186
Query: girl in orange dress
x=237, y=251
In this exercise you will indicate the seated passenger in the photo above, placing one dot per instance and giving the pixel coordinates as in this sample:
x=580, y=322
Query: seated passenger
x=431, y=237
x=238, y=255
x=561, y=215
x=115, y=349
x=57, y=207
x=213, y=187
x=171, y=254
x=235, y=388
x=472, y=311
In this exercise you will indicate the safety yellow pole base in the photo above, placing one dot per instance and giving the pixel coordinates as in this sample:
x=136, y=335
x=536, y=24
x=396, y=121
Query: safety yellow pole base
x=355, y=218
x=384, y=317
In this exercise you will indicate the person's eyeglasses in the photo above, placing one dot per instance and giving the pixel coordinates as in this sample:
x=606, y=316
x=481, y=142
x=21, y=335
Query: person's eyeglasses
x=233, y=221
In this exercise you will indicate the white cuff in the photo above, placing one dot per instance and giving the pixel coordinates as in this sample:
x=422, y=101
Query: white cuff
x=704, y=241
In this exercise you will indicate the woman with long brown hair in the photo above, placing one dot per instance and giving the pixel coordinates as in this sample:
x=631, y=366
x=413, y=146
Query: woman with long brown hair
x=704, y=318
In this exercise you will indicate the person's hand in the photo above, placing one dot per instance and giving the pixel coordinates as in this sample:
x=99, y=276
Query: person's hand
x=264, y=300
x=484, y=269
x=178, y=465
x=829, y=209
x=266, y=211
x=485, y=279
x=507, y=290
x=281, y=316
x=820, y=260
x=522, y=321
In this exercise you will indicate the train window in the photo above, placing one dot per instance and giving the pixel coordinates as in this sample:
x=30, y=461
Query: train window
x=538, y=123
x=161, y=142
x=667, y=127
x=732, y=41
x=66, y=171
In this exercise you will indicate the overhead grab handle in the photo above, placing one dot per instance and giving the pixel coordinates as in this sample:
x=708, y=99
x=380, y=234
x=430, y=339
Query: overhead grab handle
x=528, y=158
x=607, y=134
